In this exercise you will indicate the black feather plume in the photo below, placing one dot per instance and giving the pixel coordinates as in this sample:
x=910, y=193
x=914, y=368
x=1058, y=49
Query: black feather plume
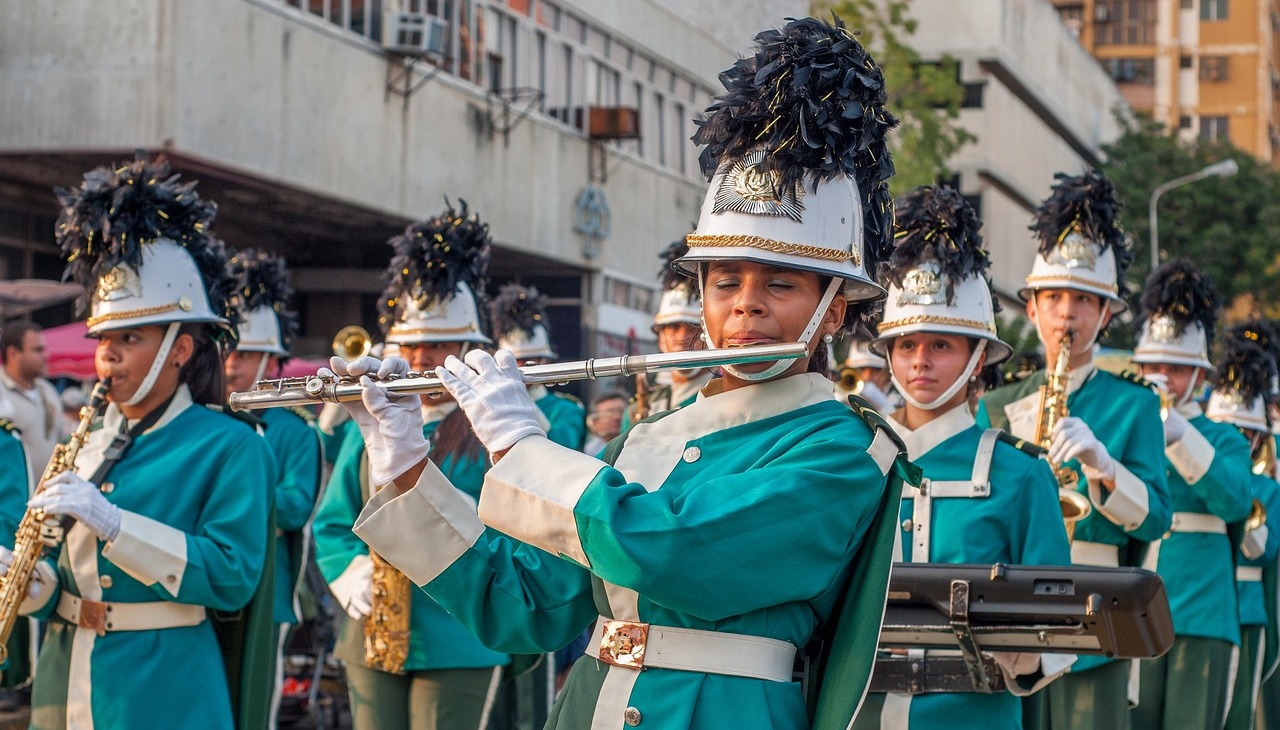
x=262, y=280
x=1245, y=368
x=1085, y=204
x=670, y=275
x=106, y=221
x=1261, y=333
x=517, y=309
x=814, y=98
x=939, y=225
x=432, y=257
x=1184, y=294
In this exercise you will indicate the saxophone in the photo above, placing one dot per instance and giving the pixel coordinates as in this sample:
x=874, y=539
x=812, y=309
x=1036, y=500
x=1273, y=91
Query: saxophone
x=1053, y=408
x=386, y=630
x=28, y=546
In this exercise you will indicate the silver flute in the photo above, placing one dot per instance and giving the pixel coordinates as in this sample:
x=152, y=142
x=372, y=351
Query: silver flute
x=283, y=392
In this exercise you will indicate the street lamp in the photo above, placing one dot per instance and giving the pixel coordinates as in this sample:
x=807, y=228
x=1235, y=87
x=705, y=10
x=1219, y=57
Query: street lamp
x=1225, y=168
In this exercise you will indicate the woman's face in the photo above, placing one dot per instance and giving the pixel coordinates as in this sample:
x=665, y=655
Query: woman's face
x=926, y=363
x=242, y=369
x=747, y=303
x=125, y=356
x=425, y=357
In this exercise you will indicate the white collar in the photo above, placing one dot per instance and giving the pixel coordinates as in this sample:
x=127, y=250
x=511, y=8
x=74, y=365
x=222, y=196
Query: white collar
x=538, y=391
x=722, y=409
x=924, y=439
x=1190, y=410
x=438, y=411
x=180, y=402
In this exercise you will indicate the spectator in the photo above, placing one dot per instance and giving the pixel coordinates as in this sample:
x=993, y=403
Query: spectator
x=27, y=398
x=605, y=419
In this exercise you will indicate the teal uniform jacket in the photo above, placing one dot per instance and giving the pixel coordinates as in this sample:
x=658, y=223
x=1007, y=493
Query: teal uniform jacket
x=1253, y=604
x=741, y=513
x=13, y=481
x=566, y=415
x=193, y=531
x=296, y=446
x=1017, y=522
x=331, y=441
x=436, y=639
x=1124, y=414
x=1208, y=474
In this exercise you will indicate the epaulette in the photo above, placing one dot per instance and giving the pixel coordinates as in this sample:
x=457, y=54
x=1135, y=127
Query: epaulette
x=569, y=397
x=302, y=412
x=244, y=417
x=1137, y=379
x=1023, y=445
x=10, y=426
x=876, y=422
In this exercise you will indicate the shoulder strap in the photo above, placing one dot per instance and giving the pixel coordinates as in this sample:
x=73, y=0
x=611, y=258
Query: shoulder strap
x=1136, y=379
x=982, y=460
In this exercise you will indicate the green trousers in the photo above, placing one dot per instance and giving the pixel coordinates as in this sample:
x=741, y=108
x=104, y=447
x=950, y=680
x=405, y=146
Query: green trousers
x=1268, y=714
x=1188, y=687
x=443, y=699
x=1096, y=699
x=1244, y=698
x=17, y=667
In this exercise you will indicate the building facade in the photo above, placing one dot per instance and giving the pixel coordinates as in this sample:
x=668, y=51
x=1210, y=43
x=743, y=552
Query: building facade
x=1209, y=68
x=322, y=127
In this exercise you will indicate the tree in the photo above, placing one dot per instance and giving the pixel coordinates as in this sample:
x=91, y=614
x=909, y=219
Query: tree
x=1226, y=226
x=925, y=96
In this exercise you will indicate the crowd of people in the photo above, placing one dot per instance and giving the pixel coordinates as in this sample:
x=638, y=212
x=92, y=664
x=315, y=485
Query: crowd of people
x=499, y=556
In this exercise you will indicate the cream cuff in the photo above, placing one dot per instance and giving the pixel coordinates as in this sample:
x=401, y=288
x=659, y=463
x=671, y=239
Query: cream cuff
x=149, y=551
x=423, y=531
x=527, y=498
x=1026, y=674
x=1191, y=455
x=1128, y=505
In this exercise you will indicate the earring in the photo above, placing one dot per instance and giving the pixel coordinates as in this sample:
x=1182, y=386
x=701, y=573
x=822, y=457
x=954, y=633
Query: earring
x=828, y=338
x=973, y=378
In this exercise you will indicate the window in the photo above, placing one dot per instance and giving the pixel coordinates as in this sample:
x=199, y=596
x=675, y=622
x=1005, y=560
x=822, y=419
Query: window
x=1213, y=129
x=1186, y=62
x=972, y=96
x=1214, y=68
x=1188, y=4
x=1213, y=9
x=1141, y=71
x=1125, y=22
x=1184, y=121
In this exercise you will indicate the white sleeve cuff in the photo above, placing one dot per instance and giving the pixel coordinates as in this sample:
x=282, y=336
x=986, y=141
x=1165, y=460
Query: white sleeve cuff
x=48, y=581
x=1191, y=455
x=525, y=499
x=1128, y=505
x=149, y=551
x=423, y=531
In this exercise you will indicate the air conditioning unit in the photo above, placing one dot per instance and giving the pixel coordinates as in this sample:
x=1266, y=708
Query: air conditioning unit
x=416, y=34
x=613, y=122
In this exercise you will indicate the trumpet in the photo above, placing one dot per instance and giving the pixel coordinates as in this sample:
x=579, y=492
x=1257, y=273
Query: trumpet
x=352, y=342
x=283, y=392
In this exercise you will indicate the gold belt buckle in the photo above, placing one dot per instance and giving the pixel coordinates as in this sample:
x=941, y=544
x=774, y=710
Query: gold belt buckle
x=622, y=643
x=93, y=615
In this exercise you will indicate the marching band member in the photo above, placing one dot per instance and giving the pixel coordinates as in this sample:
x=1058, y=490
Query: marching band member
x=267, y=329
x=987, y=497
x=1208, y=477
x=712, y=541
x=1239, y=398
x=678, y=325
x=518, y=320
x=427, y=671
x=1113, y=432
x=15, y=485
x=170, y=498
x=871, y=378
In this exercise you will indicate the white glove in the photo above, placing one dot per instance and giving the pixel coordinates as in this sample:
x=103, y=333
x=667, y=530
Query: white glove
x=354, y=588
x=68, y=494
x=37, y=579
x=390, y=424
x=1175, y=424
x=1073, y=439
x=332, y=415
x=876, y=397
x=491, y=391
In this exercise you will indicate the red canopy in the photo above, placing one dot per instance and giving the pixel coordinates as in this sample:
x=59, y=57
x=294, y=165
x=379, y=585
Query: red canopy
x=70, y=355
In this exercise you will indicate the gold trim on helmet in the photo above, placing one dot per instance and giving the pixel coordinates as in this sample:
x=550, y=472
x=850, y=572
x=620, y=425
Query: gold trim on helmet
x=768, y=244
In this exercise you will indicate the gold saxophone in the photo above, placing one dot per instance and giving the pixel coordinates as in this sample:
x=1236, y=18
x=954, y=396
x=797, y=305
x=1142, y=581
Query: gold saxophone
x=28, y=547
x=1053, y=408
x=386, y=630
x=643, y=390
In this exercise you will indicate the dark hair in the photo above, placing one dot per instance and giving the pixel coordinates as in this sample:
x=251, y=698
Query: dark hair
x=608, y=395
x=14, y=335
x=204, y=373
x=454, y=438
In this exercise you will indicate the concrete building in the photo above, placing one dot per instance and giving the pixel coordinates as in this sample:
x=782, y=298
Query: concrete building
x=321, y=128
x=1209, y=68
x=1037, y=103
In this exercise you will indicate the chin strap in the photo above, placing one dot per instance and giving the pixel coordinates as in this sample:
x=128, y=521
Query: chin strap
x=262, y=367
x=1191, y=388
x=780, y=366
x=157, y=364
x=949, y=393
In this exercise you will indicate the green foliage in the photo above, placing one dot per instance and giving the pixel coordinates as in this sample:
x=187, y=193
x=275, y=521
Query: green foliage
x=1226, y=226
x=926, y=96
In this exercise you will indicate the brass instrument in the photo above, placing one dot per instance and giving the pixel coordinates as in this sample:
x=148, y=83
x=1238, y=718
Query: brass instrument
x=352, y=342
x=1053, y=408
x=1257, y=516
x=307, y=390
x=1264, y=456
x=386, y=629
x=849, y=381
x=642, y=397
x=28, y=545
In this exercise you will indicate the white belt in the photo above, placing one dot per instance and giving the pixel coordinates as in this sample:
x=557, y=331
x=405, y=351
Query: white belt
x=1099, y=554
x=1248, y=573
x=1198, y=522
x=104, y=617
x=634, y=645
